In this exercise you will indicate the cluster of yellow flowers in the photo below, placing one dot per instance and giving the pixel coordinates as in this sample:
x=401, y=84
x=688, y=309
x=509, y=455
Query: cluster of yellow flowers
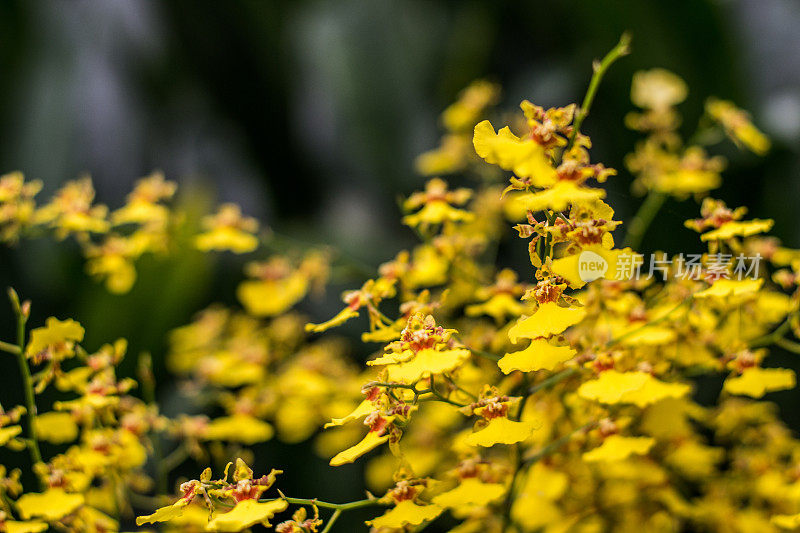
x=112, y=241
x=559, y=399
x=102, y=430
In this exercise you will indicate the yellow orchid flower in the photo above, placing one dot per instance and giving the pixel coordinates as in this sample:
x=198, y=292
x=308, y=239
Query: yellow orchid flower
x=165, y=514
x=737, y=228
x=71, y=211
x=684, y=182
x=594, y=262
x=657, y=89
x=228, y=230
x=9, y=432
x=450, y=156
x=436, y=204
x=364, y=408
x=786, y=521
x=638, y=388
x=405, y=513
x=50, y=505
x=56, y=339
x=737, y=125
x=470, y=492
x=462, y=114
x=341, y=317
x=239, y=428
x=756, y=381
x=525, y=158
x=245, y=514
x=272, y=297
x=549, y=319
x=618, y=448
x=726, y=288
x=13, y=526
x=695, y=460
x=426, y=362
x=57, y=428
x=539, y=355
x=561, y=196
x=501, y=430
x=377, y=435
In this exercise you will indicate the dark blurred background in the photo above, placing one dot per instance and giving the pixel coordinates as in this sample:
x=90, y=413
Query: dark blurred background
x=310, y=113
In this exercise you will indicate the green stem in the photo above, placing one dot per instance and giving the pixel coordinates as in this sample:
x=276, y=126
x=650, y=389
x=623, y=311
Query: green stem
x=27, y=386
x=371, y=502
x=143, y=501
x=643, y=218
x=517, y=450
x=338, y=508
x=219, y=501
x=525, y=394
x=441, y=397
x=392, y=385
x=169, y=463
x=437, y=396
x=448, y=400
x=458, y=388
x=332, y=520
x=788, y=345
x=558, y=443
x=486, y=355
x=776, y=334
x=621, y=49
x=8, y=347
x=553, y=380
x=146, y=378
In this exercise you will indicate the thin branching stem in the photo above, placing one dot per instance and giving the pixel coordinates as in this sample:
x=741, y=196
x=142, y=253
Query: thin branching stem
x=369, y=502
x=332, y=520
x=621, y=49
x=776, y=334
x=169, y=463
x=643, y=218
x=459, y=388
x=486, y=355
x=8, y=347
x=517, y=455
x=556, y=444
x=32, y=442
x=556, y=378
x=788, y=345
x=391, y=385
x=437, y=396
